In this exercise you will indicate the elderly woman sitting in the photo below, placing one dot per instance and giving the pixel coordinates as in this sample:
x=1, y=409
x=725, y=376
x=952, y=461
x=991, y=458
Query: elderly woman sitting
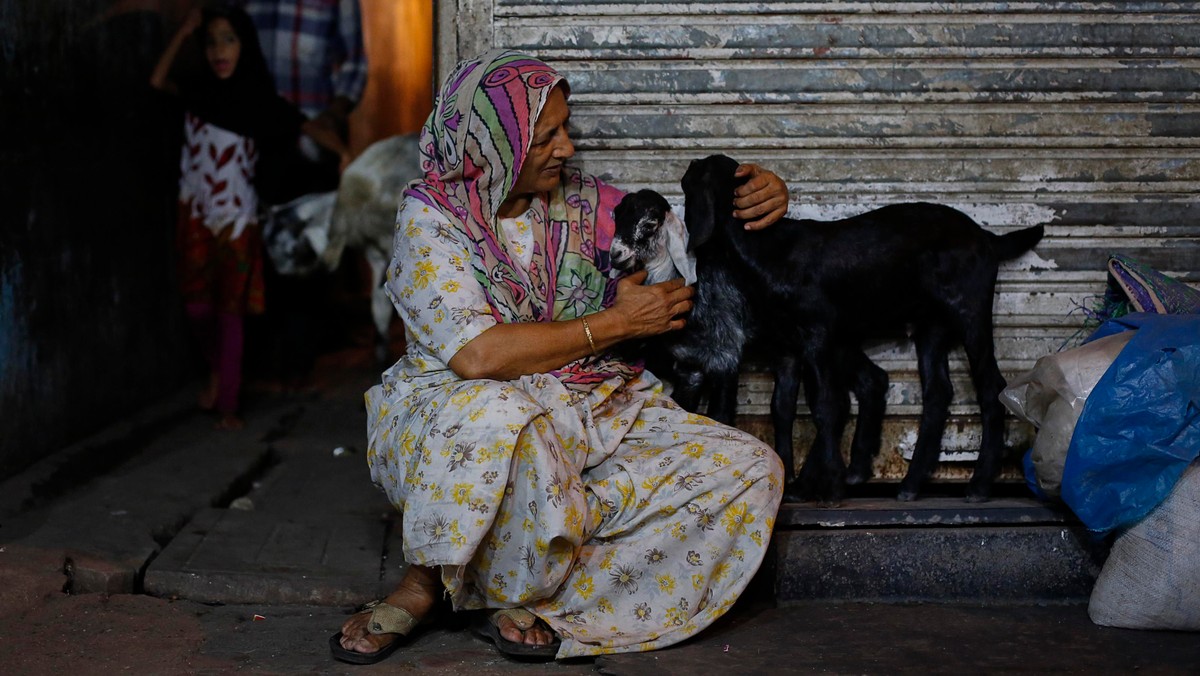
x=541, y=480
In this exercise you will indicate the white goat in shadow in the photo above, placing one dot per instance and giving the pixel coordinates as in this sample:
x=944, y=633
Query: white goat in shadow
x=313, y=231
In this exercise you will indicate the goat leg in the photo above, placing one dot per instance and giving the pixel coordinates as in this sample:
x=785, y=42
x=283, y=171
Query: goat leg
x=870, y=389
x=783, y=417
x=824, y=472
x=689, y=384
x=722, y=397
x=991, y=452
x=382, y=310
x=936, y=393
x=989, y=383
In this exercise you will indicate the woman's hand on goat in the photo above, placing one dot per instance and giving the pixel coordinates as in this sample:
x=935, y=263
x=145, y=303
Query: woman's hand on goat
x=763, y=197
x=507, y=351
x=649, y=310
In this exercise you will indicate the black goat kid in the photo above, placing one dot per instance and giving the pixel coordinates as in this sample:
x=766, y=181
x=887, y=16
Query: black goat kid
x=817, y=289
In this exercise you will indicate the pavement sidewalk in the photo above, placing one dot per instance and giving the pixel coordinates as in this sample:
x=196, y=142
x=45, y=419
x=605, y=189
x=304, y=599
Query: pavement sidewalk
x=196, y=551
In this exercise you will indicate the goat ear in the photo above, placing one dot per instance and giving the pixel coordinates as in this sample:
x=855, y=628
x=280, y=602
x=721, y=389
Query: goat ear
x=621, y=211
x=699, y=214
x=707, y=189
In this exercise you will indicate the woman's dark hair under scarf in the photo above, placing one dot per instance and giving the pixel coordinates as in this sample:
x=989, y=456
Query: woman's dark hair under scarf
x=246, y=102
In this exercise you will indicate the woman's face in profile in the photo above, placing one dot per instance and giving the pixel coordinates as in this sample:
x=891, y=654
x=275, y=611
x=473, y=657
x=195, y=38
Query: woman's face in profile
x=549, y=148
x=222, y=47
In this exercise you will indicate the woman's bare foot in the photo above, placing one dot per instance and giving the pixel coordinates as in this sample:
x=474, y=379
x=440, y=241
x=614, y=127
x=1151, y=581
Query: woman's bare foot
x=538, y=634
x=229, y=421
x=207, y=399
x=417, y=593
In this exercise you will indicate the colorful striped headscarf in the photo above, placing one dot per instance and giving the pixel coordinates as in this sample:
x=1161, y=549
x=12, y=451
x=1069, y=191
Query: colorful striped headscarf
x=472, y=148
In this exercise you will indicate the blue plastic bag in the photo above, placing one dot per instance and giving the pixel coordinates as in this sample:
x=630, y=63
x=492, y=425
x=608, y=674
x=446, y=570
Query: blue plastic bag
x=1140, y=427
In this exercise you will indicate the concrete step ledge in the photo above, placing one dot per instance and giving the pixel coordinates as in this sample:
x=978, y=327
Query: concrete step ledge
x=1011, y=549
x=930, y=511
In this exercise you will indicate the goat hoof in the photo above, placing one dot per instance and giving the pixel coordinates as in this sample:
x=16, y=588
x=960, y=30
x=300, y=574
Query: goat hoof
x=793, y=493
x=978, y=492
x=831, y=495
x=857, y=478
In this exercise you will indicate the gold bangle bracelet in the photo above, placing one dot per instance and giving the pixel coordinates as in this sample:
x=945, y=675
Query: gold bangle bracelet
x=587, y=331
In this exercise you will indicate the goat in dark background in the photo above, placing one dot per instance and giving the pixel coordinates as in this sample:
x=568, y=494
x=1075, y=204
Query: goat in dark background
x=818, y=288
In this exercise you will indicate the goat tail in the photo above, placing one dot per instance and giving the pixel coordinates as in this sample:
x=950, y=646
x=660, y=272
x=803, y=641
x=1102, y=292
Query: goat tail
x=1016, y=243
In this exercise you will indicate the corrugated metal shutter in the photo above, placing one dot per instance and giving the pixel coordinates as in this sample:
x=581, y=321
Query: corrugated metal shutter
x=1083, y=116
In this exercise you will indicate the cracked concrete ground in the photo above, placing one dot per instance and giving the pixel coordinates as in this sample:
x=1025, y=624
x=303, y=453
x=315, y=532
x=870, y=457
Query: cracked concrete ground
x=121, y=573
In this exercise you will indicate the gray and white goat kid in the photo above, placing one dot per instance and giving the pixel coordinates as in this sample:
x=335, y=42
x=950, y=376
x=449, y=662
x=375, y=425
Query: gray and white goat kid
x=312, y=231
x=649, y=236
x=705, y=355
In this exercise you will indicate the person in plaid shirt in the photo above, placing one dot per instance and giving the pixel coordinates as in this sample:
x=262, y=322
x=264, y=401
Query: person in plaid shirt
x=314, y=49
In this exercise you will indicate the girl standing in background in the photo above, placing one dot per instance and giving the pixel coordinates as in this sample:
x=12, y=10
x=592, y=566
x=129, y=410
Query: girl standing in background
x=233, y=116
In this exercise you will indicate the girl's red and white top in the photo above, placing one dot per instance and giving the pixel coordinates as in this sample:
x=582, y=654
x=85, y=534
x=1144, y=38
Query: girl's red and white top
x=217, y=176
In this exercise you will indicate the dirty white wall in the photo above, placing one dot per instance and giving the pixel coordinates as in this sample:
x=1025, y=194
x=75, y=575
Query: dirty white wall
x=1084, y=116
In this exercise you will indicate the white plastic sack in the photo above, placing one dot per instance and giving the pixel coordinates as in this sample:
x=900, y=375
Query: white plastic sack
x=1151, y=579
x=1051, y=396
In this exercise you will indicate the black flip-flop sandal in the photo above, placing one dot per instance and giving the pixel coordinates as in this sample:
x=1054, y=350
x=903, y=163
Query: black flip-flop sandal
x=485, y=627
x=385, y=619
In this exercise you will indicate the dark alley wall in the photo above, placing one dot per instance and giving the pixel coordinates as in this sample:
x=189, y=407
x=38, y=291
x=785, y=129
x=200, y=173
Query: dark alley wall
x=90, y=323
